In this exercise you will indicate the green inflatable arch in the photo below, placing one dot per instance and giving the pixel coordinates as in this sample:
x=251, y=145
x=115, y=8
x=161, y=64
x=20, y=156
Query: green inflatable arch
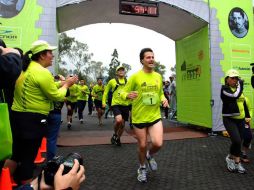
x=207, y=44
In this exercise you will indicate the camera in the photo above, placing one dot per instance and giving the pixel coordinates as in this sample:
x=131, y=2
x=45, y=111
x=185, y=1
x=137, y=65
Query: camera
x=52, y=166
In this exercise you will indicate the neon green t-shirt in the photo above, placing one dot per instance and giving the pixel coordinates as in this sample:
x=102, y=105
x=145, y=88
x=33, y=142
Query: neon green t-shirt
x=83, y=92
x=74, y=92
x=97, y=92
x=240, y=105
x=146, y=107
x=116, y=100
x=35, y=90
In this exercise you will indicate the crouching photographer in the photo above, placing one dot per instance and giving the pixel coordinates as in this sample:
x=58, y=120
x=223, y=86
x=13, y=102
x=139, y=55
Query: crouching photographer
x=59, y=173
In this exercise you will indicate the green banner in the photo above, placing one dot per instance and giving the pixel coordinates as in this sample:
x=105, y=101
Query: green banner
x=18, y=22
x=236, y=28
x=193, y=79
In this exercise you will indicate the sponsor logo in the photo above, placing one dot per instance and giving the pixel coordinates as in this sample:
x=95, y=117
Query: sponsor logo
x=11, y=35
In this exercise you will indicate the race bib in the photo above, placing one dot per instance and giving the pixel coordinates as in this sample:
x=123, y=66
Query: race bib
x=150, y=98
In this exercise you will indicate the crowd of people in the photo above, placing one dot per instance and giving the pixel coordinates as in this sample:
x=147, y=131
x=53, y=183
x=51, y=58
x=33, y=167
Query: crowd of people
x=36, y=98
x=31, y=94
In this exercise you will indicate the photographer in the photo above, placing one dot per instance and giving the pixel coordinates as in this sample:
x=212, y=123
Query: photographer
x=72, y=179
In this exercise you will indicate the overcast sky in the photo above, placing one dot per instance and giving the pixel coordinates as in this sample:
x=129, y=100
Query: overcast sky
x=102, y=39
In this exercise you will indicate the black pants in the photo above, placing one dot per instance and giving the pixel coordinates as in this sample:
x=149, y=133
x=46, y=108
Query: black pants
x=81, y=106
x=28, y=130
x=90, y=106
x=235, y=128
x=247, y=137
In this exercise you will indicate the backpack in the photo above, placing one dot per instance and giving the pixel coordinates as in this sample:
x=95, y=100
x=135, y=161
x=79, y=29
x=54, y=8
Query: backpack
x=117, y=84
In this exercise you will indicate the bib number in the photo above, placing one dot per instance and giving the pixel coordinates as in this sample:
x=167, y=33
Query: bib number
x=150, y=98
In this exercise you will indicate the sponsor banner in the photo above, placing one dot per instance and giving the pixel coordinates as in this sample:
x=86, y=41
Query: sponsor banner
x=193, y=79
x=18, y=22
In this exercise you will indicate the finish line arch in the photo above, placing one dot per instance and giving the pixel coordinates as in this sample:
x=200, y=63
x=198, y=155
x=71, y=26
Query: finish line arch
x=205, y=45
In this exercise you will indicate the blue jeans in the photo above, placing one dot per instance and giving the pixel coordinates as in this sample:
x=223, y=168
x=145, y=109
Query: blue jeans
x=54, y=122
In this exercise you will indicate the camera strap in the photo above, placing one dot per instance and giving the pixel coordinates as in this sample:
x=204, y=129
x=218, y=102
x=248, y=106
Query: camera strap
x=39, y=181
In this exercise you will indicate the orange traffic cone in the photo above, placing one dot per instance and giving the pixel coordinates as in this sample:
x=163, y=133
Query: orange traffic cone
x=39, y=159
x=43, y=145
x=5, y=179
x=13, y=183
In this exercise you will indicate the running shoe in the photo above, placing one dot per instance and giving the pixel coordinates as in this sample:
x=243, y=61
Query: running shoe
x=244, y=158
x=230, y=164
x=69, y=125
x=117, y=141
x=239, y=168
x=113, y=139
x=81, y=121
x=152, y=163
x=142, y=175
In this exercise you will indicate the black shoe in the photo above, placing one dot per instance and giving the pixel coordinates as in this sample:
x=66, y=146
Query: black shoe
x=244, y=158
x=113, y=139
x=118, y=142
x=69, y=126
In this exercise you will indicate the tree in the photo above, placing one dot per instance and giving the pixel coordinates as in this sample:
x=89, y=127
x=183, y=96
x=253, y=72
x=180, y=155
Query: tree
x=79, y=56
x=114, y=64
x=93, y=70
x=173, y=69
x=160, y=68
x=64, y=45
x=127, y=68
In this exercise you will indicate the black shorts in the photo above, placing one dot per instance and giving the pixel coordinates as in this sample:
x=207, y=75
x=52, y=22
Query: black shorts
x=144, y=125
x=98, y=103
x=121, y=110
x=72, y=104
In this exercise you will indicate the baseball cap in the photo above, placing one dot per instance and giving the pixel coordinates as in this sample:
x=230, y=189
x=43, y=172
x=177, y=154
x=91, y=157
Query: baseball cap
x=120, y=67
x=232, y=73
x=41, y=45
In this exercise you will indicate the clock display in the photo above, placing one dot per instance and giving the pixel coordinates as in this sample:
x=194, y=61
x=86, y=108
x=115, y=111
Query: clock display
x=139, y=8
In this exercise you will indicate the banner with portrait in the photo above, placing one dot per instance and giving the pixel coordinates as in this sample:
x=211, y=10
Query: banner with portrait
x=18, y=22
x=236, y=36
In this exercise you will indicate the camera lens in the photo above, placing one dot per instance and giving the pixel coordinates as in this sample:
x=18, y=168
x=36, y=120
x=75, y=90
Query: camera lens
x=52, y=166
x=68, y=161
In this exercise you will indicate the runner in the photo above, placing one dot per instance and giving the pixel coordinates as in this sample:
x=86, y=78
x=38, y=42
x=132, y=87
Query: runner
x=97, y=93
x=71, y=103
x=144, y=88
x=119, y=106
x=82, y=99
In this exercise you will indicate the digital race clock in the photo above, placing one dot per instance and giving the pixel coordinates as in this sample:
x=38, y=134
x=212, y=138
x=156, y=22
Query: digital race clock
x=139, y=8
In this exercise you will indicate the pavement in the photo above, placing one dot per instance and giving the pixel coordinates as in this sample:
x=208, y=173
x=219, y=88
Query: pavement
x=189, y=158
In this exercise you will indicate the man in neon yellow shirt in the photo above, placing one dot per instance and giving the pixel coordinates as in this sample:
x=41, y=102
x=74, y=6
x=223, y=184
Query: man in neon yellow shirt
x=82, y=99
x=119, y=106
x=97, y=93
x=71, y=103
x=145, y=91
